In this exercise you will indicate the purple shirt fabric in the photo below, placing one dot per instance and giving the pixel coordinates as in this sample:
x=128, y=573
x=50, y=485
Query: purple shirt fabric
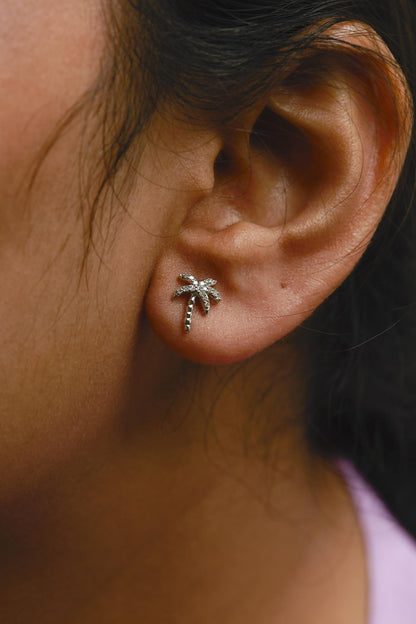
x=390, y=553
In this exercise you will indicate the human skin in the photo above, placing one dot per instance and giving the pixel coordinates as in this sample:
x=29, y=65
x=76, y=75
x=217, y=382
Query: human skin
x=113, y=507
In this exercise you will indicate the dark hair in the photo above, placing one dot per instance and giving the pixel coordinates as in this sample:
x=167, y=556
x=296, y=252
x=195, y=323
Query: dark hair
x=213, y=58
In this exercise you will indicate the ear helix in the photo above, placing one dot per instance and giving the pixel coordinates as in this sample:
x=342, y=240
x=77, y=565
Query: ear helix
x=197, y=290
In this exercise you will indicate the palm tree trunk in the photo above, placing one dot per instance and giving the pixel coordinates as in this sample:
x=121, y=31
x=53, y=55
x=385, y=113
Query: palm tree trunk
x=189, y=310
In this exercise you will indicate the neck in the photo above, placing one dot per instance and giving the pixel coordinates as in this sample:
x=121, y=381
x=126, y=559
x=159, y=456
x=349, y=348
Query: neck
x=202, y=505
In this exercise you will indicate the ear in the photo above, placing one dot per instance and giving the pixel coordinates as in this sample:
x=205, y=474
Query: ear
x=294, y=202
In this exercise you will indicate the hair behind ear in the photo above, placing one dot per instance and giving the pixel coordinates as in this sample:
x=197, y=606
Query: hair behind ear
x=362, y=391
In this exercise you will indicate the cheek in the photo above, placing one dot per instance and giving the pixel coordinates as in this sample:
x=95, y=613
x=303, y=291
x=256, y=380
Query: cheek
x=63, y=351
x=68, y=332
x=67, y=340
x=67, y=336
x=49, y=55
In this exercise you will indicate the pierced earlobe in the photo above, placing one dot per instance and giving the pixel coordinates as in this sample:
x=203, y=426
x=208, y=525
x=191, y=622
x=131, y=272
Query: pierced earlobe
x=201, y=290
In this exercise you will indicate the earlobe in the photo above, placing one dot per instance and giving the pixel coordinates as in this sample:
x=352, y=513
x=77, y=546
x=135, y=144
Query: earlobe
x=287, y=222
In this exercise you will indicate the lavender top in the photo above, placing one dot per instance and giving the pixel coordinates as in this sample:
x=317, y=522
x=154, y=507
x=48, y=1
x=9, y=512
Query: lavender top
x=391, y=554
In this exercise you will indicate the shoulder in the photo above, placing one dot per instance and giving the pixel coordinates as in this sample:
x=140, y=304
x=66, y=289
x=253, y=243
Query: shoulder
x=390, y=553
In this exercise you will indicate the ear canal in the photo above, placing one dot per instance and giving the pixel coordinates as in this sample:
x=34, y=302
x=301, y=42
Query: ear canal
x=295, y=212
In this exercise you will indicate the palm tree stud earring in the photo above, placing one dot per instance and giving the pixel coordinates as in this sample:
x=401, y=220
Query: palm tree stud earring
x=197, y=290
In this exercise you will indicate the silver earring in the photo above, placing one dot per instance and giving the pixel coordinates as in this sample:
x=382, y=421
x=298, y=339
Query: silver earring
x=197, y=290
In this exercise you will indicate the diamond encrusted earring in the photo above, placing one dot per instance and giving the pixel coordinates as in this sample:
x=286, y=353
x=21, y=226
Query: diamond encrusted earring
x=197, y=290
